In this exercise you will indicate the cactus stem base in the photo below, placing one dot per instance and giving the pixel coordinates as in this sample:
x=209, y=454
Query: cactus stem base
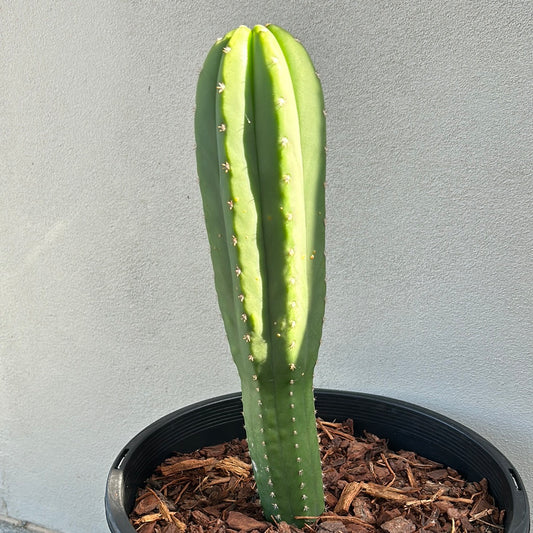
x=282, y=439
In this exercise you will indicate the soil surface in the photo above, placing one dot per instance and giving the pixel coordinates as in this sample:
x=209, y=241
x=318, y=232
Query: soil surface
x=368, y=488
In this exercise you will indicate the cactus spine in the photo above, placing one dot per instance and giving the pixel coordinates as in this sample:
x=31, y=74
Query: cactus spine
x=260, y=134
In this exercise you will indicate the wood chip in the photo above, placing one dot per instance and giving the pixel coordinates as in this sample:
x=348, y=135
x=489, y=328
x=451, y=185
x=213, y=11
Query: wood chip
x=233, y=465
x=387, y=493
x=348, y=494
x=399, y=525
x=332, y=526
x=410, y=476
x=152, y=517
x=147, y=528
x=171, y=528
x=180, y=526
x=345, y=519
x=165, y=513
x=146, y=504
x=438, y=475
x=241, y=522
x=187, y=464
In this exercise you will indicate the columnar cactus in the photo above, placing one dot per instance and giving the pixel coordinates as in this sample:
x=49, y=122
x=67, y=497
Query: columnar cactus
x=260, y=134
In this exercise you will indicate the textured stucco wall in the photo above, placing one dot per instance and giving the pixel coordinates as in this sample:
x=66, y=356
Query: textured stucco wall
x=108, y=316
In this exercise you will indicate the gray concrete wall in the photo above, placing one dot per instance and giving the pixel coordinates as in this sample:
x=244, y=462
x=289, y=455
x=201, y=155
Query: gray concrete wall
x=108, y=315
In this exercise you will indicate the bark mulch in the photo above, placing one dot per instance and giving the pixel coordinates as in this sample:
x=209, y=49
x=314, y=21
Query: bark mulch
x=368, y=488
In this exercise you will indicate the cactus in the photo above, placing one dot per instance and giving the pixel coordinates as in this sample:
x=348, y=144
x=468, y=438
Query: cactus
x=260, y=134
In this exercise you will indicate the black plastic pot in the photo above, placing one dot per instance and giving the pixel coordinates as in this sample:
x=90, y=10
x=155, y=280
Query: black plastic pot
x=405, y=425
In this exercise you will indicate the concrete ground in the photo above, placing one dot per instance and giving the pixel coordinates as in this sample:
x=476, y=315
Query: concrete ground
x=6, y=527
x=16, y=526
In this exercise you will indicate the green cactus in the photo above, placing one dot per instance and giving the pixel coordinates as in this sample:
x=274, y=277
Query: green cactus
x=260, y=134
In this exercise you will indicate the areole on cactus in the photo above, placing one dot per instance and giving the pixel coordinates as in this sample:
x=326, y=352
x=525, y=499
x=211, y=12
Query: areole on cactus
x=260, y=135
